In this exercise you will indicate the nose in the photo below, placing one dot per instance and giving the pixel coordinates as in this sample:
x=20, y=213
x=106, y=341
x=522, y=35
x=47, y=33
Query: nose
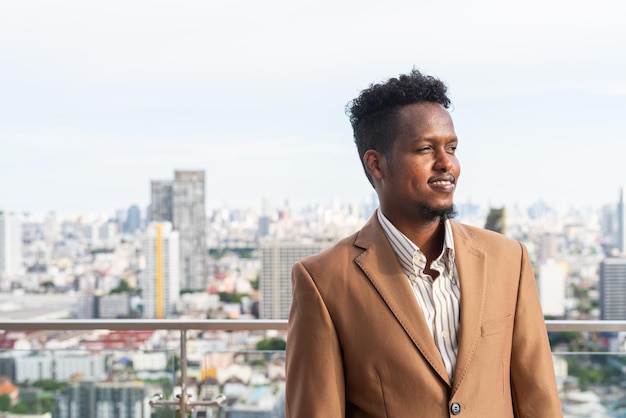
x=443, y=161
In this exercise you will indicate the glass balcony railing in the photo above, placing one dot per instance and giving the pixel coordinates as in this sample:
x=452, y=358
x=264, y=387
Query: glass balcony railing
x=231, y=368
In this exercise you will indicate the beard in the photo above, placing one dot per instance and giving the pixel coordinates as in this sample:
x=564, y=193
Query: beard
x=431, y=213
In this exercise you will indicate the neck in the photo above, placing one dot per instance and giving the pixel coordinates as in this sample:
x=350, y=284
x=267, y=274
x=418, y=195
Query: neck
x=428, y=236
x=429, y=239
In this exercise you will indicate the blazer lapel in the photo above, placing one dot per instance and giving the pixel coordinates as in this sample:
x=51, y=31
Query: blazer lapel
x=470, y=263
x=380, y=265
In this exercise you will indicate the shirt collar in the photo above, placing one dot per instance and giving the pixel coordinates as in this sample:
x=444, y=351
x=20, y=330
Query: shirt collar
x=402, y=245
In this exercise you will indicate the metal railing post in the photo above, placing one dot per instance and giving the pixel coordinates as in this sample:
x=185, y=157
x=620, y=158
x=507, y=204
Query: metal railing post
x=184, y=405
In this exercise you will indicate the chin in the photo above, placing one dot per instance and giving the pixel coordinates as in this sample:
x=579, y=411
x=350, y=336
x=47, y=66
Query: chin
x=447, y=212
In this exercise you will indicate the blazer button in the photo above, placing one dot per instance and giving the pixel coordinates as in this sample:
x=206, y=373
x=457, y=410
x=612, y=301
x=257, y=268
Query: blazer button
x=455, y=408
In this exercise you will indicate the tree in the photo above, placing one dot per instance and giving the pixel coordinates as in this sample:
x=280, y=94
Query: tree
x=50, y=385
x=228, y=297
x=271, y=344
x=496, y=220
x=23, y=408
x=5, y=402
x=122, y=288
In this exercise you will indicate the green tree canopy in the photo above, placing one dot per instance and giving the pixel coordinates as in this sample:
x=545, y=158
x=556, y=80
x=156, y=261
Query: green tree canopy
x=5, y=402
x=271, y=344
x=122, y=288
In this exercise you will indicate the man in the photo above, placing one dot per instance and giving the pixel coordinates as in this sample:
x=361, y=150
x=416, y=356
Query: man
x=416, y=315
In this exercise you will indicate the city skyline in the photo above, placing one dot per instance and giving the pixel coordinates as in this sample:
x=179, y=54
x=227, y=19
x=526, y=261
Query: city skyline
x=98, y=99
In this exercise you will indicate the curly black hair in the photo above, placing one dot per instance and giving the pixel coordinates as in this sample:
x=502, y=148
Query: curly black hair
x=373, y=113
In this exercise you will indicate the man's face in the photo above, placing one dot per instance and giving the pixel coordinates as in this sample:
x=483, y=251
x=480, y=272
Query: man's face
x=420, y=175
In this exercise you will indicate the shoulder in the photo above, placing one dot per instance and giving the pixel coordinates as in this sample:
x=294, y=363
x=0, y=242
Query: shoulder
x=338, y=252
x=342, y=253
x=483, y=238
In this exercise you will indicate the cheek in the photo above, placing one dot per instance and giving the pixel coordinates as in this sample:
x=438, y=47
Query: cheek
x=457, y=167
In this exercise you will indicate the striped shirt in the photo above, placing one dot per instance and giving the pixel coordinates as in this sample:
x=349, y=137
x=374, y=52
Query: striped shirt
x=439, y=298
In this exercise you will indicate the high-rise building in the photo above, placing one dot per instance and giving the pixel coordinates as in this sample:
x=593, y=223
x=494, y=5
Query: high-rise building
x=277, y=258
x=160, y=280
x=189, y=219
x=10, y=245
x=89, y=399
x=613, y=289
x=161, y=201
x=182, y=202
x=133, y=220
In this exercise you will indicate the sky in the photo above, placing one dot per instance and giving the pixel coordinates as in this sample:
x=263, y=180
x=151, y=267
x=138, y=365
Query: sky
x=98, y=98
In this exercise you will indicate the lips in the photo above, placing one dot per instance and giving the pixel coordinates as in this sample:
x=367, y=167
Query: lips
x=442, y=181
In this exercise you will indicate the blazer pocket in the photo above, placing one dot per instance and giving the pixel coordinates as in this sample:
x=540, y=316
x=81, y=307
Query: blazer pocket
x=497, y=326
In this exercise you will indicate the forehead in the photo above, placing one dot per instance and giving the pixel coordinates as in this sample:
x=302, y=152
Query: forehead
x=426, y=119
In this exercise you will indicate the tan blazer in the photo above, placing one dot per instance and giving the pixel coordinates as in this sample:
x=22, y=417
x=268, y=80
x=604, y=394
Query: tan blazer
x=359, y=347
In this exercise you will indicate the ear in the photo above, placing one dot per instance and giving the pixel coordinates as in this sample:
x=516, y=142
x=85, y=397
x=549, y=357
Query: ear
x=375, y=164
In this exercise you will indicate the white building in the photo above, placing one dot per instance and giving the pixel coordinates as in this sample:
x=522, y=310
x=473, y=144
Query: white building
x=160, y=280
x=33, y=368
x=10, y=245
x=552, y=286
x=150, y=361
x=84, y=364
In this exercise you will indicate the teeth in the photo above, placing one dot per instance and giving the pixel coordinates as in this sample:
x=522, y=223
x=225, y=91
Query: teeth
x=442, y=182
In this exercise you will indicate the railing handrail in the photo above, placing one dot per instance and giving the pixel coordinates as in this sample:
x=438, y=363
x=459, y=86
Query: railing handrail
x=585, y=326
x=245, y=324
x=145, y=324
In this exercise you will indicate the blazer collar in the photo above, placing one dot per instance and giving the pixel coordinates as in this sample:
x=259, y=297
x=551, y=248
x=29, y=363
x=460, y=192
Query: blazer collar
x=379, y=264
x=470, y=263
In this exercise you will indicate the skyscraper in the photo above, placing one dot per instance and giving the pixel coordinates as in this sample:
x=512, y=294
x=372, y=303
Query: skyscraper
x=161, y=278
x=161, y=201
x=613, y=289
x=277, y=258
x=182, y=202
x=189, y=219
x=133, y=220
x=10, y=245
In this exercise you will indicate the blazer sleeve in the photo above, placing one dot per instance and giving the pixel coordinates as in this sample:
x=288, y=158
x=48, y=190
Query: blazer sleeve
x=532, y=371
x=314, y=365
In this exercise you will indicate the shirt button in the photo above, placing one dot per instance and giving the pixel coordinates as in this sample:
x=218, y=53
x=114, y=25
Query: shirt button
x=455, y=408
x=444, y=334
